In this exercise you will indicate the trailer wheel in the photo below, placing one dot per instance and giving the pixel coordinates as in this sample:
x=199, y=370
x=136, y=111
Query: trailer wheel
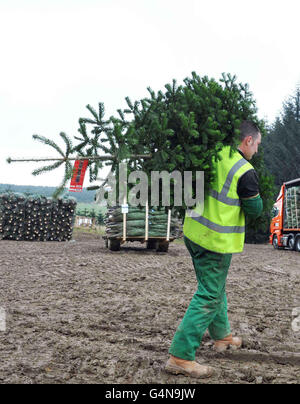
x=114, y=245
x=151, y=245
x=275, y=242
x=162, y=246
x=297, y=244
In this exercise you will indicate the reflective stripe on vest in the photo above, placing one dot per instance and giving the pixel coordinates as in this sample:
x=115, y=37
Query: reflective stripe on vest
x=214, y=226
x=222, y=196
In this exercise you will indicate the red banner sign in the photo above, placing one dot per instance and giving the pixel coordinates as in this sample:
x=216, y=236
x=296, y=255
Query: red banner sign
x=79, y=170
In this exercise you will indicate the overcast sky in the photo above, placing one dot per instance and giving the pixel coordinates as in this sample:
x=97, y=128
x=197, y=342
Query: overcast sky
x=57, y=56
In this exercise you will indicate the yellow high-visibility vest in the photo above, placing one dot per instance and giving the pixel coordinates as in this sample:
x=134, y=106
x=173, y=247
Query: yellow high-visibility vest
x=220, y=226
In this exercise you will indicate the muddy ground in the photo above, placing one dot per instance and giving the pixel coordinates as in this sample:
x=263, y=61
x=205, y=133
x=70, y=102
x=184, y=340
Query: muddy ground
x=78, y=313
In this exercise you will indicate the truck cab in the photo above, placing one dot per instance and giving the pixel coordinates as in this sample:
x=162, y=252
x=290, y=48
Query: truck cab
x=276, y=225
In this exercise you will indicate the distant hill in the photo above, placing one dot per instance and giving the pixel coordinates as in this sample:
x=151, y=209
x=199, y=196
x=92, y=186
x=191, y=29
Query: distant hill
x=81, y=197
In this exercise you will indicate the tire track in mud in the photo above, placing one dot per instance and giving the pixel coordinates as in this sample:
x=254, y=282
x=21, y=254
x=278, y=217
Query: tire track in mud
x=78, y=313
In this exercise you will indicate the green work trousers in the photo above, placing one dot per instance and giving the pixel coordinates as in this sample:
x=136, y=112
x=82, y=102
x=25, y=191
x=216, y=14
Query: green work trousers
x=208, y=307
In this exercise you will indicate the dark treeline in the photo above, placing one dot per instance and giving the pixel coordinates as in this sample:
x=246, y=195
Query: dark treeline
x=280, y=155
x=282, y=144
x=81, y=197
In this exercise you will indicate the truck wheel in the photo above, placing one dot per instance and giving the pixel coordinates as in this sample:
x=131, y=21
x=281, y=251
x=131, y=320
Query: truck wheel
x=114, y=245
x=292, y=243
x=297, y=244
x=162, y=246
x=275, y=242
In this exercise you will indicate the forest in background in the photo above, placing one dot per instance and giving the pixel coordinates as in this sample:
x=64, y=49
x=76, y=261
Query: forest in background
x=281, y=146
x=82, y=197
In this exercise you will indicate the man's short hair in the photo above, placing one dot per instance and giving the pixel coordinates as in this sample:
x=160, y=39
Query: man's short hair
x=249, y=128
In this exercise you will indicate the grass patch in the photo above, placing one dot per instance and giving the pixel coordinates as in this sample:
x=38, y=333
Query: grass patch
x=83, y=208
x=98, y=230
x=178, y=241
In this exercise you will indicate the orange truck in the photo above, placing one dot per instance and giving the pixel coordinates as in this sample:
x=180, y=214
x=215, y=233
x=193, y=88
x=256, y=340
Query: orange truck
x=285, y=223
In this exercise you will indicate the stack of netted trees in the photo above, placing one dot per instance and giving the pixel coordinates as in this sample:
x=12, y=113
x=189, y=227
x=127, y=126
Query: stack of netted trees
x=292, y=216
x=36, y=218
x=138, y=223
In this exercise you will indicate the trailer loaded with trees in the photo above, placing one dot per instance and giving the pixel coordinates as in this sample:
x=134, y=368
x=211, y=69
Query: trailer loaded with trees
x=152, y=226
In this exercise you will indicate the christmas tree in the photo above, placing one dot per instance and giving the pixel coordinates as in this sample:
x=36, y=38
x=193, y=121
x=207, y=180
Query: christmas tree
x=182, y=127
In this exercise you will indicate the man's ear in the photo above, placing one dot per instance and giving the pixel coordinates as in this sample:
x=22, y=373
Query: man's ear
x=249, y=140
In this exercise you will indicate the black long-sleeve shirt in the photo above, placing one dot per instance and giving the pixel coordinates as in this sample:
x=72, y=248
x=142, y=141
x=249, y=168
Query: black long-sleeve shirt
x=248, y=183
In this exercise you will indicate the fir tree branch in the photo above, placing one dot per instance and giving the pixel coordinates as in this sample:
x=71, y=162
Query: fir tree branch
x=48, y=142
x=51, y=167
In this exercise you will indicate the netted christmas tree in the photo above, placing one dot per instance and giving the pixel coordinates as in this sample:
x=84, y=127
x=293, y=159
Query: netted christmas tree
x=136, y=222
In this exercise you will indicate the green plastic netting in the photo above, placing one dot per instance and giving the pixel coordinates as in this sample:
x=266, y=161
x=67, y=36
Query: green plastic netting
x=136, y=223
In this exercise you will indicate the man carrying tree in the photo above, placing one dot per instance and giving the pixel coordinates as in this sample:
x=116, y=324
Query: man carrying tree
x=211, y=238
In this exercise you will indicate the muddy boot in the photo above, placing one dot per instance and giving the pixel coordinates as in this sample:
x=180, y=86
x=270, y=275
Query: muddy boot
x=222, y=344
x=188, y=368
